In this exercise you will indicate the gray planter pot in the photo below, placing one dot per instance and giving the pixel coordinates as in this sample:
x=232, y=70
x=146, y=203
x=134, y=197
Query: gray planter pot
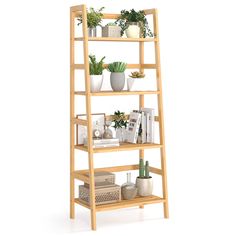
x=92, y=32
x=117, y=81
x=145, y=186
x=111, y=31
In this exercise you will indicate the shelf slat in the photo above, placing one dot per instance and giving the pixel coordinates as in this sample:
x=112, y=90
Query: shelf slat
x=122, y=147
x=113, y=93
x=124, y=203
x=107, y=39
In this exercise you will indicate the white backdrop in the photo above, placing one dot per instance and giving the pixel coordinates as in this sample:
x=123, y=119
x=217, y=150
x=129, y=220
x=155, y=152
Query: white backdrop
x=198, y=49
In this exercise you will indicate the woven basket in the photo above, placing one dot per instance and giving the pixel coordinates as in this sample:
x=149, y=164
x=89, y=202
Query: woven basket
x=103, y=195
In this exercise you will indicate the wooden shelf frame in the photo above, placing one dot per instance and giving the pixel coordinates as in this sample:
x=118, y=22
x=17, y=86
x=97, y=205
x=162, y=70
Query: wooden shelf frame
x=81, y=10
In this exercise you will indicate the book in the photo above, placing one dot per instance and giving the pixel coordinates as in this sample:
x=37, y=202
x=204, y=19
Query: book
x=133, y=127
x=150, y=115
x=103, y=142
x=144, y=127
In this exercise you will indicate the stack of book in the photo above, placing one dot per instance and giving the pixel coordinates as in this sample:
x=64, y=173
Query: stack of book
x=100, y=143
x=143, y=121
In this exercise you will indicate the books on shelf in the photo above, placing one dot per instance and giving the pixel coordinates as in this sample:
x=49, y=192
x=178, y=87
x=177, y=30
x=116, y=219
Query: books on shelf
x=149, y=113
x=133, y=127
x=100, y=143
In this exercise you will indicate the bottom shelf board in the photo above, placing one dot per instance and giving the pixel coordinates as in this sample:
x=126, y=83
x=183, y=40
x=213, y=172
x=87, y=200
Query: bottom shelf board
x=124, y=203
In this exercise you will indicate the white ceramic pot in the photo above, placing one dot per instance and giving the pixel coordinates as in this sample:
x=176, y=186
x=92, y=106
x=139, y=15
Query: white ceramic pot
x=136, y=84
x=145, y=186
x=133, y=31
x=95, y=83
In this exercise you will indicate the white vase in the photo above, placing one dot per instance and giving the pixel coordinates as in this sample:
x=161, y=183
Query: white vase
x=121, y=134
x=96, y=83
x=136, y=84
x=133, y=31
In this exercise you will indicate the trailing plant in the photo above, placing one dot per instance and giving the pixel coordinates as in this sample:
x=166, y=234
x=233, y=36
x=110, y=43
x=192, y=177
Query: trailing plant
x=95, y=68
x=134, y=16
x=117, y=67
x=143, y=170
x=120, y=120
x=137, y=74
x=94, y=17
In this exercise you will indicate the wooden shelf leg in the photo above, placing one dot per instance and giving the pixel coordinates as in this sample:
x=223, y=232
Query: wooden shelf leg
x=89, y=120
x=141, y=97
x=161, y=118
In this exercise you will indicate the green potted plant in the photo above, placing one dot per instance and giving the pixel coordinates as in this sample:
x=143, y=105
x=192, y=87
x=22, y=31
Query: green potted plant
x=135, y=82
x=134, y=24
x=144, y=181
x=94, y=19
x=120, y=123
x=117, y=77
x=96, y=73
x=111, y=30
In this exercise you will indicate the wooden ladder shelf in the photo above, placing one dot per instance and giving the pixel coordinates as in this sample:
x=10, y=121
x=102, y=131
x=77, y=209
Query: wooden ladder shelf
x=76, y=11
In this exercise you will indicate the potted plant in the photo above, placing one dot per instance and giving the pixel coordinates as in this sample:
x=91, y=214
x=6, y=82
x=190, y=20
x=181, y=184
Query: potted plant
x=135, y=82
x=94, y=19
x=111, y=30
x=117, y=77
x=120, y=124
x=144, y=181
x=134, y=24
x=96, y=75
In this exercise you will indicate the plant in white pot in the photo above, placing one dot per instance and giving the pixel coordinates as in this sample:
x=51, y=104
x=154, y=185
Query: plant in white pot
x=136, y=81
x=120, y=122
x=134, y=24
x=144, y=180
x=96, y=75
x=94, y=19
x=117, y=77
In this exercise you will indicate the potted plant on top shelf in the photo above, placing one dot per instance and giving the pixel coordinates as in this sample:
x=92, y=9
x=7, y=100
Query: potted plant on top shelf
x=96, y=75
x=94, y=19
x=134, y=24
x=135, y=82
x=117, y=77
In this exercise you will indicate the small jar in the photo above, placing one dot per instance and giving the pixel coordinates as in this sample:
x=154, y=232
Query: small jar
x=128, y=189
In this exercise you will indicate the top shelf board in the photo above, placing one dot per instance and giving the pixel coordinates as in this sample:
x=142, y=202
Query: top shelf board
x=107, y=39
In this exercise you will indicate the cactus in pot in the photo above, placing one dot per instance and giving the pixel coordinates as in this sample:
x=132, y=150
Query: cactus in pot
x=144, y=180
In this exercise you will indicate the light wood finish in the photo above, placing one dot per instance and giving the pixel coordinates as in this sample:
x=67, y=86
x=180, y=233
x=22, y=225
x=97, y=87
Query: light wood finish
x=161, y=118
x=89, y=120
x=81, y=10
x=129, y=66
x=125, y=203
x=107, y=39
x=121, y=93
x=122, y=147
x=72, y=131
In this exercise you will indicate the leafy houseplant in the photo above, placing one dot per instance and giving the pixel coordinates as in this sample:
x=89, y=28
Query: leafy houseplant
x=94, y=19
x=117, y=77
x=131, y=22
x=120, y=124
x=135, y=81
x=95, y=70
x=144, y=180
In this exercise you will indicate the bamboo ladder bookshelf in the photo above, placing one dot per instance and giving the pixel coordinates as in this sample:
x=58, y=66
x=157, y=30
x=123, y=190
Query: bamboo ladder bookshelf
x=76, y=11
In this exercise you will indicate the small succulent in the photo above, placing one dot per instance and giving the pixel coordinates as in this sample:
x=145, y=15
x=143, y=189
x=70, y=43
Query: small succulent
x=95, y=68
x=117, y=67
x=111, y=24
x=137, y=74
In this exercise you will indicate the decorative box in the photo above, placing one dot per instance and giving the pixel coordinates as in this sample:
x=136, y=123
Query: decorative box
x=103, y=195
x=111, y=31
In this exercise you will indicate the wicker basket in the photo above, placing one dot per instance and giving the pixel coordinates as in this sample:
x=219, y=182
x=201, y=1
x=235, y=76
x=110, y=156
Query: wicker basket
x=102, y=178
x=103, y=195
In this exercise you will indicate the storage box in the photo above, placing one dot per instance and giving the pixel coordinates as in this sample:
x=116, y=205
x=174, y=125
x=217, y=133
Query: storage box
x=102, y=178
x=111, y=31
x=103, y=195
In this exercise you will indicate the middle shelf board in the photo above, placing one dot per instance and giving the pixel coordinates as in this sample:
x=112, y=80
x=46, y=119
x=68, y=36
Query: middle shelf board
x=113, y=93
x=107, y=39
x=124, y=203
x=122, y=147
